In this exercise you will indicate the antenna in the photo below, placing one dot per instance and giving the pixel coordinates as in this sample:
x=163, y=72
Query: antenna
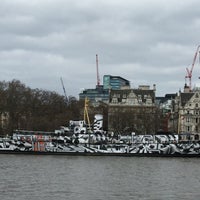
x=97, y=66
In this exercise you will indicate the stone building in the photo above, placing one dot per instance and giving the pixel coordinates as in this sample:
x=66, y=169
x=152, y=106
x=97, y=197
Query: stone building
x=189, y=111
x=133, y=110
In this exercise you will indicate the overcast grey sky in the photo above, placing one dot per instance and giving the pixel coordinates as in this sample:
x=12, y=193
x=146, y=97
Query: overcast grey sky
x=147, y=42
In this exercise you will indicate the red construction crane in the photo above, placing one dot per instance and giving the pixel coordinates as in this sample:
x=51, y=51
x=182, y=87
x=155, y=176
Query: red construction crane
x=97, y=66
x=189, y=72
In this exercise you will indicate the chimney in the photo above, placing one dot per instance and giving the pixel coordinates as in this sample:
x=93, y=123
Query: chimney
x=186, y=89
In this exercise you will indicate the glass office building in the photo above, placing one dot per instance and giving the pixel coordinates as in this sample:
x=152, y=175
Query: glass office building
x=114, y=82
x=95, y=95
x=101, y=92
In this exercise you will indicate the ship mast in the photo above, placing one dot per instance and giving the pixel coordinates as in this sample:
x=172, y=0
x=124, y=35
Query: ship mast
x=86, y=116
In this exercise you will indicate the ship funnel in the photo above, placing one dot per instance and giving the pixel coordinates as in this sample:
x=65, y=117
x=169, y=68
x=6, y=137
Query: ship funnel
x=98, y=123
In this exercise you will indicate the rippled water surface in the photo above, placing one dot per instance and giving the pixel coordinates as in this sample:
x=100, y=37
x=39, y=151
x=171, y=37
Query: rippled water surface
x=30, y=177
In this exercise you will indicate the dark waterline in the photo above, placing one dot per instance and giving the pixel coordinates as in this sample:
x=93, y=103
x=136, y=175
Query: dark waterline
x=34, y=177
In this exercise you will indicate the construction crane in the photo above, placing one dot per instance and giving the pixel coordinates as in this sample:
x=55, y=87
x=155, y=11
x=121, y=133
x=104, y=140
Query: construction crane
x=97, y=66
x=63, y=89
x=189, y=71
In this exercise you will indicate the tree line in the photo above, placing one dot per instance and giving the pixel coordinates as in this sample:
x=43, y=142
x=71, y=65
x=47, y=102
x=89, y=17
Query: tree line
x=34, y=109
x=24, y=108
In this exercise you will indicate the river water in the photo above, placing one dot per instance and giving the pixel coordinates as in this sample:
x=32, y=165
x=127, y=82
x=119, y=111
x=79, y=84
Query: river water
x=31, y=177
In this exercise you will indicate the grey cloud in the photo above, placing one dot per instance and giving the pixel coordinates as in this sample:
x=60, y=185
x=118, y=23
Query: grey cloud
x=147, y=41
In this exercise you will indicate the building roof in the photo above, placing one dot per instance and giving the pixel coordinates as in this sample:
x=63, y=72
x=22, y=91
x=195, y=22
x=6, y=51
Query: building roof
x=185, y=97
x=161, y=99
x=167, y=97
x=137, y=92
x=117, y=77
x=171, y=96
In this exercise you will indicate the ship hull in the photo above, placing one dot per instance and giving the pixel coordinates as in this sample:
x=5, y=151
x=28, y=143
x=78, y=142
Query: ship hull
x=97, y=154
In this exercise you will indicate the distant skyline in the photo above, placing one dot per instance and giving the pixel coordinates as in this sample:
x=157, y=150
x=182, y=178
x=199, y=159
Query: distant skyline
x=146, y=42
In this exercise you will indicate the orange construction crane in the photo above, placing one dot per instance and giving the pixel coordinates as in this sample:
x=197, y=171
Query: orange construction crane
x=189, y=72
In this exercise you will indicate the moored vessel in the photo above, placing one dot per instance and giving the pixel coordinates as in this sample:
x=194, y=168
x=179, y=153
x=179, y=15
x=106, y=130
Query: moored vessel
x=99, y=143
x=81, y=138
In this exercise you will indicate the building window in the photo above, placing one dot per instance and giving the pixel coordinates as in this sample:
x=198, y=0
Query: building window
x=197, y=120
x=124, y=101
x=114, y=100
x=135, y=101
x=187, y=119
x=130, y=102
x=149, y=101
x=196, y=104
x=188, y=128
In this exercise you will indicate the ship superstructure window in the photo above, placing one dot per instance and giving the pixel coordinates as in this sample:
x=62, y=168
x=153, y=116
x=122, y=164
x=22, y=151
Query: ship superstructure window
x=196, y=137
